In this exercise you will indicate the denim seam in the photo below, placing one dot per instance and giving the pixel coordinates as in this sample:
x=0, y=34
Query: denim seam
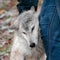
x=49, y=26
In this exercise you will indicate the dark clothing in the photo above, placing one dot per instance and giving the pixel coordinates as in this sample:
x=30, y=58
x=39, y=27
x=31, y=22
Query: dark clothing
x=26, y=5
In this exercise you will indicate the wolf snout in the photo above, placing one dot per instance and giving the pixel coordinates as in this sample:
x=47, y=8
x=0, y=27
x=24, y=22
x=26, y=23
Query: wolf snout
x=32, y=45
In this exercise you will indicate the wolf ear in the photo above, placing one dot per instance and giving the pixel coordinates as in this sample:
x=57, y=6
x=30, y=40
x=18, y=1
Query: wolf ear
x=32, y=8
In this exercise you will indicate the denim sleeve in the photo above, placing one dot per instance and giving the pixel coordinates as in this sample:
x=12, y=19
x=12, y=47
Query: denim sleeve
x=26, y=5
x=50, y=32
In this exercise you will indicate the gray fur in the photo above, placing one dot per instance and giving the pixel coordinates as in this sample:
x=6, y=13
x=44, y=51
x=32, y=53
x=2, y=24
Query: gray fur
x=29, y=30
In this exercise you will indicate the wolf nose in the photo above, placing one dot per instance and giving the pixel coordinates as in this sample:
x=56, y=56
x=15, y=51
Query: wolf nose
x=32, y=45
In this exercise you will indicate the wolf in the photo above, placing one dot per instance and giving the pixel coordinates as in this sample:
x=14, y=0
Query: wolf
x=27, y=43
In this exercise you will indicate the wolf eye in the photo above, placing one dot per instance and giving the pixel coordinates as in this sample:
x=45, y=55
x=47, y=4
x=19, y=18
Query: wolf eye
x=32, y=28
x=24, y=32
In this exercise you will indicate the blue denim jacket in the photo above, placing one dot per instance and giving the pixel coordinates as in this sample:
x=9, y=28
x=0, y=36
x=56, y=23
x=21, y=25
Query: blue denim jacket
x=50, y=28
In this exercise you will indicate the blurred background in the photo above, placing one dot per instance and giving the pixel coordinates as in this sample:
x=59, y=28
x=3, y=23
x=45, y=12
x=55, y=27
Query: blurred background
x=8, y=13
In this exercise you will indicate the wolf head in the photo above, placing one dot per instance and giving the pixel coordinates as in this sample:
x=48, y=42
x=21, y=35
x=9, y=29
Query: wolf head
x=27, y=24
